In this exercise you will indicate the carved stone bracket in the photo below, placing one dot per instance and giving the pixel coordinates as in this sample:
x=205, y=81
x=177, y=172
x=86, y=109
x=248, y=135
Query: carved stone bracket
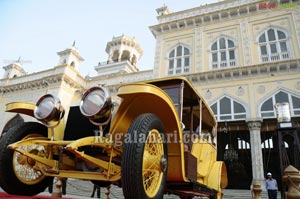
x=254, y=124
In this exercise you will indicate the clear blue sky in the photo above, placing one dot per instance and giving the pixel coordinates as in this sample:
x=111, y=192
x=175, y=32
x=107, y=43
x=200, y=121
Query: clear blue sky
x=36, y=30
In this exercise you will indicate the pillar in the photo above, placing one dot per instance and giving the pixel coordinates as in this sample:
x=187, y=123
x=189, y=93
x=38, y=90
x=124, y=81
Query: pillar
x=258, y=180
x=120, y=55
x=109, y=60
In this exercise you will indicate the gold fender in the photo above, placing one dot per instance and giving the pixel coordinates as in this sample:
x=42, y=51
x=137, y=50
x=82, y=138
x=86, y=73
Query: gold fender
x=21, y=107
x=217, y=177
x=27, y=108
x=146, y=98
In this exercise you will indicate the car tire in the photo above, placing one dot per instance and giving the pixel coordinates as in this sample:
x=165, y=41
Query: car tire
x=11, y=181
x=144, y=163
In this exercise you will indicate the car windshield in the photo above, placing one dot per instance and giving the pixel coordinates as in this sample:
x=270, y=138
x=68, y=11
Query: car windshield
x=174, y=94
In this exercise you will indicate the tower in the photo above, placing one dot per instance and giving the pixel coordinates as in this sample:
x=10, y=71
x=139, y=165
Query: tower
x=13, y=70
x=123, y=55
x=163, y=10
x=70, y=56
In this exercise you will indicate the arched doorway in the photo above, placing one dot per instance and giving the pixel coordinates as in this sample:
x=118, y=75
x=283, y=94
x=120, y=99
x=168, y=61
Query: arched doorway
x=234, y=150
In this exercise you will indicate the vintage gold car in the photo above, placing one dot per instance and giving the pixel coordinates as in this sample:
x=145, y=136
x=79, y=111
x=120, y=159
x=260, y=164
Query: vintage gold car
x=160, y=140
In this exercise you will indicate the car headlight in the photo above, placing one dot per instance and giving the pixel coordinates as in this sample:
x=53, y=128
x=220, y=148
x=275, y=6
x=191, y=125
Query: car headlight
x=96, y=104
x=48, y=108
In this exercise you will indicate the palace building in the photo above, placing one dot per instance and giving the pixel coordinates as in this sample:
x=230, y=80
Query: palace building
x=242, y=56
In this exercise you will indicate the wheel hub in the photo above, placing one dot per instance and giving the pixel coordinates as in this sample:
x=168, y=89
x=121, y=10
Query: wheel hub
x=163, y=163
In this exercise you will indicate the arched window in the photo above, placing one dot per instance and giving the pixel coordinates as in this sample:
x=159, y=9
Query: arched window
x=179, y=60
x=268, y=144
x=273, y=45
x=242, y=144
x=115, y=56
x=228, y=109
x=125, y=55
x=267, y=107
x=223, y=53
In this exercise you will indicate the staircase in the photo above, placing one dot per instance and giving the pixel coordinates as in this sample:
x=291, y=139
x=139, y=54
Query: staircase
x=243, y=194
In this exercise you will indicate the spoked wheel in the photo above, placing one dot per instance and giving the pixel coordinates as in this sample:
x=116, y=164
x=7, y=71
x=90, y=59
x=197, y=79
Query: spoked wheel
x=144, y=162
x=24, y=166
x=19, y=175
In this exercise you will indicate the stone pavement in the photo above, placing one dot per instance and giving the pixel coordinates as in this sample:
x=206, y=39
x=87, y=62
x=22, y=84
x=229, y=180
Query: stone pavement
x=79, y=189
x=83, y=189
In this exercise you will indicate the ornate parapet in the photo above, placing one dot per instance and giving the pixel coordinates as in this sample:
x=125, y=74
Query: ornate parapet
x=202, y=15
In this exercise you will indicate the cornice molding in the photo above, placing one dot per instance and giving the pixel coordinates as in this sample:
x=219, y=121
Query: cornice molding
x=243, y=72
x=71, y=83
x=41, y=83
x=222, y=75
x=30, y=85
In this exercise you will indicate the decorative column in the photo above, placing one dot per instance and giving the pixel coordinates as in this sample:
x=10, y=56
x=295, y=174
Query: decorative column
x=258, y=180
x=120, y=55
x=109, y=60
x=292, y=179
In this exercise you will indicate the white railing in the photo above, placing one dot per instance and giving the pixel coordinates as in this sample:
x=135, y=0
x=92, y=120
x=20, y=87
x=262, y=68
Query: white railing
x=285, y=55
x=275, y=57
x=186, y=69
x=264, y=58
x=232, y=62
x=215, y=65
x=223, y=64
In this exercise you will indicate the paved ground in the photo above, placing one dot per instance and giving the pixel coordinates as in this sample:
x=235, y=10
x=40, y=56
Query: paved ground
x=83, y=189
x=78, y=189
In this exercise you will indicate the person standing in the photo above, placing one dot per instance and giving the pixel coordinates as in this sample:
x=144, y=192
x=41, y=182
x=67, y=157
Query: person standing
x=96, y=188
x=271, y=186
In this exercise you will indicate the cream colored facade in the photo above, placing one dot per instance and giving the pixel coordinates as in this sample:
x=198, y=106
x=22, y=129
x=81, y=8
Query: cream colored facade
x=250, y=81
x=244, y=56
x=236, y=52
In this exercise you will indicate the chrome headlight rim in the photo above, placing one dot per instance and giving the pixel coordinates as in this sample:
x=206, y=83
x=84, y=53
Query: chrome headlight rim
x=54, y=113
x=102, y=109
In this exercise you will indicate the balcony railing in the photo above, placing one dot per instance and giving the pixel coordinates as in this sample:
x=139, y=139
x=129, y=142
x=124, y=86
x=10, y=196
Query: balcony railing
x=224, y=64
x=275, y=57
x=232, y=62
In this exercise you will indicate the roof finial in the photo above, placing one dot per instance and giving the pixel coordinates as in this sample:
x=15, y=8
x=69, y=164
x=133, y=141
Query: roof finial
x=74, y=42
x=19, y=59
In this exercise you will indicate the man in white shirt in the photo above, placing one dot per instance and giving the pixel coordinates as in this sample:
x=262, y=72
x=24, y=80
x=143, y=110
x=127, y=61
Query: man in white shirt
x=271, y=186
